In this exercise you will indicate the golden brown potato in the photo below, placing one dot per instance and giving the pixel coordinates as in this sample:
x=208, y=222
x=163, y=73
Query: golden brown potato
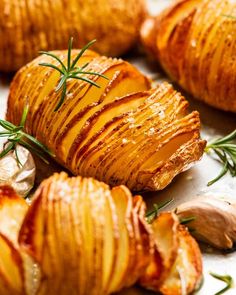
x=180, y=266
x=79, y=230
x=121, y=133
x=27, y=27
x=194, y=42
x=12, y=211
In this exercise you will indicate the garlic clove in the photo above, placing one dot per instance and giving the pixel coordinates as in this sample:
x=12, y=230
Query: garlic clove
x=21, y=178
x=215, y=220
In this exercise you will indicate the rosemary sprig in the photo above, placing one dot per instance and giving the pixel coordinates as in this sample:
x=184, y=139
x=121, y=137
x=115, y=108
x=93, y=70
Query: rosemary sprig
x=225, y=149
x=70, y=71
x=152, y=215
x=227, y=279
x=15, y=135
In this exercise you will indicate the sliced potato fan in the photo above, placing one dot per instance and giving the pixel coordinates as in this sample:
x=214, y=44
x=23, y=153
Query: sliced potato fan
x=194, y=42
x=79, y=231
x=121, y=133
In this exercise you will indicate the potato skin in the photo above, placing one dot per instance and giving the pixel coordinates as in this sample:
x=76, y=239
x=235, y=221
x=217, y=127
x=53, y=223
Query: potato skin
x=26, y=28
x=121, y=133
x=193, y=41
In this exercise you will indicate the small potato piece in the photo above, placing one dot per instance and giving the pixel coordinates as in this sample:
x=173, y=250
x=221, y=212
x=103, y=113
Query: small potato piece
x=181, y=263
x=185, y=275
x=12, y=212
x=16, y=268
x=11, y=269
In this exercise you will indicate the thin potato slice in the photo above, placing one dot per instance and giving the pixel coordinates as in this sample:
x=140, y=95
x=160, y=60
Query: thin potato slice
x=185, y=275
x=126, y=245
x=12, y=211
x=11, y=269
x=166, y=243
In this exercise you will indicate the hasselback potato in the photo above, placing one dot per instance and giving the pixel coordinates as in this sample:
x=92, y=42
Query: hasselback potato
x=194, y=42
x=29, y=26
x=121, y=133
x=81, y=237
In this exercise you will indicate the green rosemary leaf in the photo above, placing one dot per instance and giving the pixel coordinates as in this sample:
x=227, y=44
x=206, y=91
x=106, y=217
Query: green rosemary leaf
x=86, y=80
x=6, y=125
x=6, y=150
x=61, y=83
x=229, y=16
x=226, y=138
x=15, y=135
x=152, y=215
x=38, y=144
x=225, y=149
x=71, y=71
x=221, y=174
x=24, y=116
x=34, y=150
x=17, y=158
x=226, y=278
x=82, y=52
x=63, y=95
x=84, y=66
x=187, y=220
x=4, y=134
x=55, y=57
x=51, y=66
x=90, y=73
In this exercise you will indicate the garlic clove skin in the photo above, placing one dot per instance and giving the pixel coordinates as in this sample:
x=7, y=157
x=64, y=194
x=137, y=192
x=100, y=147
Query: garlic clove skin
x=215, y=220
x=21, y=178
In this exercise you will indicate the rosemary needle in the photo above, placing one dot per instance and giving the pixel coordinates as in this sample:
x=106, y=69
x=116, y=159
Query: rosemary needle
x=225, y=150
x=15, y=135
x=187, y=220
x=227, y=279
x=152, y=215
x=70, y=71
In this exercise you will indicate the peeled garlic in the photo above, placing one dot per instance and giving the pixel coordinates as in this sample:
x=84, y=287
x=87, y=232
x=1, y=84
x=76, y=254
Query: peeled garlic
x=21, y=178
x=215, y=220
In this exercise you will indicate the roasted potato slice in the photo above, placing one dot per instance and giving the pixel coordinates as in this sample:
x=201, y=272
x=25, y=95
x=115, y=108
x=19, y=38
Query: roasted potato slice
x=11, y=269
x=12, y=212
x=193, y=42
x=185, y=275
x=18, y=272
x=177, y=249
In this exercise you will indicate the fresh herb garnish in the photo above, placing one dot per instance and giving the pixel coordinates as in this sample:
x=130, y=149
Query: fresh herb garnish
x=152, y=215
x=70, y=71
x=15, y=135
x=227, y=279
x=186, y=220
x=225, y=149
x=229, y=16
